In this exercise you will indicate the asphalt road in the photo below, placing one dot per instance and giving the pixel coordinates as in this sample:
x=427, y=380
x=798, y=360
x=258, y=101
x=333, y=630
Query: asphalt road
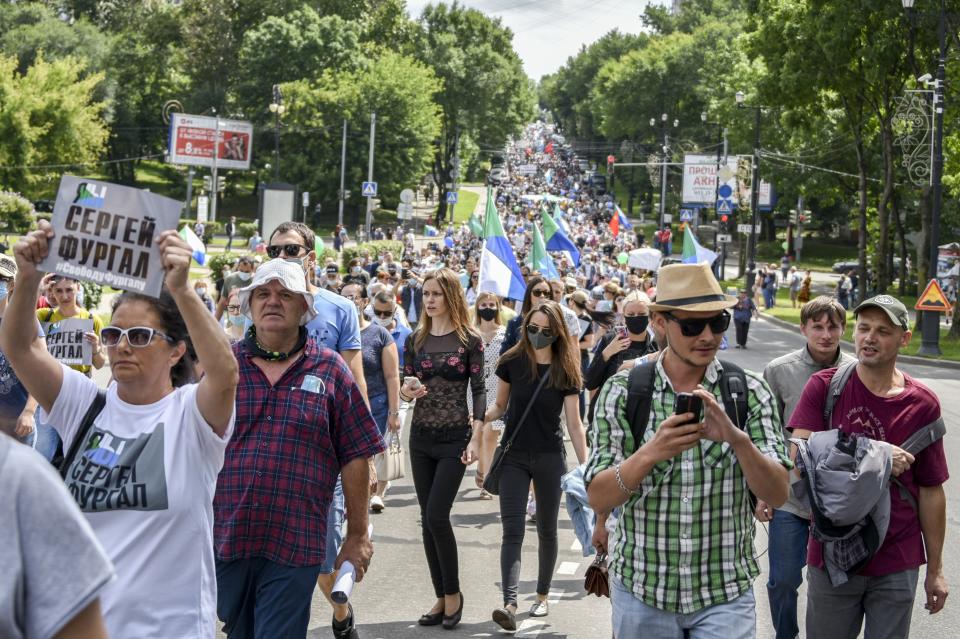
x=397, y=590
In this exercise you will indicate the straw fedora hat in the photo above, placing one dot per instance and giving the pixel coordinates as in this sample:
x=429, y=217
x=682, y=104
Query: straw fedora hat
x=690, y=287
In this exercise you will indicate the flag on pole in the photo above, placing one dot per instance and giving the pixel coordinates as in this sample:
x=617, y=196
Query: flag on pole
x=476, y=226
x=539, y=259
x=558, y=218
x=693, y=253
x=624, y=222
x=499, y=271
x=619, y=220
x=557, y=239
x=195, y=244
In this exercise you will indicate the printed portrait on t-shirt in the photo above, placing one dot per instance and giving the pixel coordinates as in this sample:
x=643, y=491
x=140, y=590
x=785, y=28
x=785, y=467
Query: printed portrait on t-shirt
x=118, y=473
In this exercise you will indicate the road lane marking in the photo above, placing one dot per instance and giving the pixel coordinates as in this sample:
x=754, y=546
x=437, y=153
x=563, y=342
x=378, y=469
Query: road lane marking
x=576, y=546
x=531, y=627
x=568, y=568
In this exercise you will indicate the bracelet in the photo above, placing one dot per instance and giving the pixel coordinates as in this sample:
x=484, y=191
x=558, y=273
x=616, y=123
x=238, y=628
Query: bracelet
x=393, y=412
x=620, y=483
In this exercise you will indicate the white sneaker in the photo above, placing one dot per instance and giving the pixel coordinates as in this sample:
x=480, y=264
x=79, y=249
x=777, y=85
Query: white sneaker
x=376, y=504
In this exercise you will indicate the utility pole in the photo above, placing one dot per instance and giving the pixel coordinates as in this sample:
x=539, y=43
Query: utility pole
x=723, y=246
x=663, y=176
x=373, y=133
x=189, y=191
x=455, y=171
x=343, y=168
x=798, y=237
x=213, y=173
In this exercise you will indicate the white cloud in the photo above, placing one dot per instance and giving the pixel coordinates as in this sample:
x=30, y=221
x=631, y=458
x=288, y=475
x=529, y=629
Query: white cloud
x=547, y=32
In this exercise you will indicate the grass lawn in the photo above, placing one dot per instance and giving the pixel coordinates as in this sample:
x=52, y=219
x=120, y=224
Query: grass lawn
x=817, y=254
x=466, y=203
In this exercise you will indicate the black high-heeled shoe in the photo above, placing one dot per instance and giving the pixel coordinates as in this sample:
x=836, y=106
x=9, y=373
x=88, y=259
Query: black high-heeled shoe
x=450, y=621
x=431, y=619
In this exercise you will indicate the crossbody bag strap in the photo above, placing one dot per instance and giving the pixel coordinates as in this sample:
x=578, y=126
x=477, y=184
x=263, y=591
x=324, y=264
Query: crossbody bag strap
x=526, y=411
x=85, y=424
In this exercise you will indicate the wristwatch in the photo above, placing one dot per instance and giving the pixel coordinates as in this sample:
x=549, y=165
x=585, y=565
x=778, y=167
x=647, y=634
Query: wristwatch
x=393, y=412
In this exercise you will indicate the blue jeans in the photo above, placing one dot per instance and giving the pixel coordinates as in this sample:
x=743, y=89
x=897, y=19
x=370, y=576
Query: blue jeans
x=260, y=598
x=788, y=555
x=336, y=517
x=378, y=409
x=44, y=439
x=734, y=619
x=769, y=296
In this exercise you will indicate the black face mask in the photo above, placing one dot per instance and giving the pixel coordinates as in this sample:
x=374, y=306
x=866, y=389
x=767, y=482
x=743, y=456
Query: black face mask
x=487, y=313
x=637, y=324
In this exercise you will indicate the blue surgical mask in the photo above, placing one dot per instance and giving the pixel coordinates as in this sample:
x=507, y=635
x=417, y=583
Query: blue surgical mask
x=4, y=291
x=236, y=320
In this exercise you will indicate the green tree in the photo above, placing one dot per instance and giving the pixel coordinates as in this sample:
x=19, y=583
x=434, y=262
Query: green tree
x=481, y=87
x=399, y=89
x=48, y=116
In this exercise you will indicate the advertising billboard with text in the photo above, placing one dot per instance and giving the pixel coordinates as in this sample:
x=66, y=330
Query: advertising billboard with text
x=192, y=141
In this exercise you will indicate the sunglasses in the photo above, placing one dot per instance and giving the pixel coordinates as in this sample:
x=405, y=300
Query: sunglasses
x=288, y=250
x=137, y=336
x=692, y=327
x=541, y=292
x=533, y=329
x=383, y=314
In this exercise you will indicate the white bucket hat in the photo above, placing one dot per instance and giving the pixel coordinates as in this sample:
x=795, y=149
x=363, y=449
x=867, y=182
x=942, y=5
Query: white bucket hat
x=291, y=277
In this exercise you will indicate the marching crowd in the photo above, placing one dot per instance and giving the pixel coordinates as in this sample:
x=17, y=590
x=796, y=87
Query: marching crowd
x=230, y=466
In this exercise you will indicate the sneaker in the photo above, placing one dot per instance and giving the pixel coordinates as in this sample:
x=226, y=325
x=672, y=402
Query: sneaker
x=505, y=619
x=539, y=608
x=376, y=504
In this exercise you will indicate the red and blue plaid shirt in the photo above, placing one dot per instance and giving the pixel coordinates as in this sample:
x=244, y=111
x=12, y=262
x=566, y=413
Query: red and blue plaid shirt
x=282, y=463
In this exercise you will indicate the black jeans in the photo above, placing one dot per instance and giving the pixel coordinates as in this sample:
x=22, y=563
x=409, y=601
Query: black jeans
x=742, y=329
x=545, y=469
x=437, y=472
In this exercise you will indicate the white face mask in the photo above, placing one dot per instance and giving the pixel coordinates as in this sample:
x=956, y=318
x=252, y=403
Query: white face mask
x=201, y=291
x=244, y=277
x=383, y=321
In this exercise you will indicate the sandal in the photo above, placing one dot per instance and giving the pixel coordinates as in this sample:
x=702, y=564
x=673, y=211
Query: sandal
x=484, y=495
x=479, y=477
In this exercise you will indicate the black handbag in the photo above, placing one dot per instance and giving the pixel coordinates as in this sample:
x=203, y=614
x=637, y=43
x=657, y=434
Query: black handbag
x=491, y=483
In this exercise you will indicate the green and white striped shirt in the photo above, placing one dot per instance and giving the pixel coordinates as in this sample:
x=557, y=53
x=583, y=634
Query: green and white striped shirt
x=685, y=540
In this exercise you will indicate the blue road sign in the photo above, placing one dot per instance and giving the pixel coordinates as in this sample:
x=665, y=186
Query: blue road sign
x=686, y=215
x=369, y=189
x=724, y=206
x=451, y=197
x=725, y=191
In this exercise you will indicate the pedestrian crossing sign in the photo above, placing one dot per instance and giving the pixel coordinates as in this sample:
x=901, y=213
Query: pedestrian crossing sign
x=369, y=189
x=723, y=206
x=932, y=299
x=451, y=197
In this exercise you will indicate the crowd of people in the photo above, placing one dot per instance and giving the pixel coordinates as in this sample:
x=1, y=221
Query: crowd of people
x=228, y=470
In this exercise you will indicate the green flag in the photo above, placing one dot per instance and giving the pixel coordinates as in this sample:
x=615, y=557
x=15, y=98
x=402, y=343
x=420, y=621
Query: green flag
x=476, y=227
x=491, y=219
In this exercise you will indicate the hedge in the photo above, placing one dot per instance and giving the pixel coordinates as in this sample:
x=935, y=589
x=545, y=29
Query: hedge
x=378, y=247
x=247, y=229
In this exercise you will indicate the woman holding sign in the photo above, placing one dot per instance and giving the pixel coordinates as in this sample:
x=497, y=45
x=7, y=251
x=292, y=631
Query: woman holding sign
x=145, y=465
x=63, y=295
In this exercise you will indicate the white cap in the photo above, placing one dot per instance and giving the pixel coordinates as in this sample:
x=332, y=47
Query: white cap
x=291, y=277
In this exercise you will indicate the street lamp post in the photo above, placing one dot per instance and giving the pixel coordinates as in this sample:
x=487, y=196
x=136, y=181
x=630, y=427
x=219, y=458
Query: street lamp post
x=930, y=321
x=754, y=192
x=277, y=109
x=663, y=165
x=721, y=151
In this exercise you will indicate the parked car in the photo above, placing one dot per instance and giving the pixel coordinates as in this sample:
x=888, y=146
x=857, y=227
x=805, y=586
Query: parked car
x=598, y=183
x=498, y=175
x=583, y=165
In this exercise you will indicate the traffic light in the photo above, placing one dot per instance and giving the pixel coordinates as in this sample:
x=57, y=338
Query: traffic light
x=221, y=183
x=610, y=162
x=793, y=217
x=724, y=221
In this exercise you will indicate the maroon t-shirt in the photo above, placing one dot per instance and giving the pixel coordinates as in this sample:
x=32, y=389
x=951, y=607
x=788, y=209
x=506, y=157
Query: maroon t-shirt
x=892, y=420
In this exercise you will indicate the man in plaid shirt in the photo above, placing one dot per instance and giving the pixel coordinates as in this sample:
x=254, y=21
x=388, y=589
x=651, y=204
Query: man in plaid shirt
x=301, y=421
x=683, y=560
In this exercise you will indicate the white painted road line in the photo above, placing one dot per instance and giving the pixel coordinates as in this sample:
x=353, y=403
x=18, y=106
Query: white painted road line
x=576, y=546
x=568, y=568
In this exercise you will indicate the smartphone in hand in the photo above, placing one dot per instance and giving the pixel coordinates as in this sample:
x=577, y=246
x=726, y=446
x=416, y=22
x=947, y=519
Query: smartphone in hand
x=688, y=403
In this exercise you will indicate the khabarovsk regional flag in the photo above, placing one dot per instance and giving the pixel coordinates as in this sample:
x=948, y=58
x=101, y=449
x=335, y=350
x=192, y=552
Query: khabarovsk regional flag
x=499, y=271
x=693, y=253
x=195, y=244
x=557, y=240
x=539, y=259
x=558, y=218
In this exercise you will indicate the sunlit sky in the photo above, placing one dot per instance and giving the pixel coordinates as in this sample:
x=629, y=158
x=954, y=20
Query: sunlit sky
x=547, y=32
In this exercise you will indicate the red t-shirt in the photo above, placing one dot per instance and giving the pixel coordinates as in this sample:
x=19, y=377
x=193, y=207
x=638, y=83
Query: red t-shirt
x=892, y=420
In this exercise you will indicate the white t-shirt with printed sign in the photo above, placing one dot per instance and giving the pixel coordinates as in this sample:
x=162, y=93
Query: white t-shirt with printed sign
x=145, y=478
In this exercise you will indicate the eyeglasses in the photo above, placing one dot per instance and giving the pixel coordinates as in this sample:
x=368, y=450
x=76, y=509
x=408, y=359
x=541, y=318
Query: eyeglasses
x=137, y=336
x=693, y=326
x=533, y=329
x=288, y=250
x=383, y=314
x=233, y=308
x=541, y=292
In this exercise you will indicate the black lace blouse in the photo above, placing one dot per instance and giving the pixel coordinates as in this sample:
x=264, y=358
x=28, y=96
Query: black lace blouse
x=445, y=365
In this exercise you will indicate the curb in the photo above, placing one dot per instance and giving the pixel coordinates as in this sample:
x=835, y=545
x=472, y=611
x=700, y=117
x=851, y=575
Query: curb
x=848, y=347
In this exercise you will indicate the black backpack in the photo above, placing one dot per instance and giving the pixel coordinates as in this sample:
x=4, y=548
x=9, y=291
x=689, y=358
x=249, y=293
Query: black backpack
x=733, y=389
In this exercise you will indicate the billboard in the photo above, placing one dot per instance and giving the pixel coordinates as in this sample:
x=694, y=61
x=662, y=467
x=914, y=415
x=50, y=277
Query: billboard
x=700, y=181
x=192, y=138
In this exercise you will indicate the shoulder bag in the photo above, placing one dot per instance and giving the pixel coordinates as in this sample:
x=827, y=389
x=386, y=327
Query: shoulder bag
x=82, y=431
x=491, y=482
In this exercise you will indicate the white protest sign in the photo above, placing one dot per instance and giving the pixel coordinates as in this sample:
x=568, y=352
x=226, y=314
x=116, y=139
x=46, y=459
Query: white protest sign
x=105, y=233
x=65, y=341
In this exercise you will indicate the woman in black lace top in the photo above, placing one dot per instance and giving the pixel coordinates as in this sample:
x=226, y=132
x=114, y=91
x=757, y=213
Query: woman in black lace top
x=443, y=354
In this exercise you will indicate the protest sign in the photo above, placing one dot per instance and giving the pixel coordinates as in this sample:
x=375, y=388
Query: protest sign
x=105, y=233
x=65, y=341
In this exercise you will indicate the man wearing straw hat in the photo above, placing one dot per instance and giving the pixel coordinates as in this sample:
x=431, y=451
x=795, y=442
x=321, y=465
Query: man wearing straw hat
x=683, y=560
